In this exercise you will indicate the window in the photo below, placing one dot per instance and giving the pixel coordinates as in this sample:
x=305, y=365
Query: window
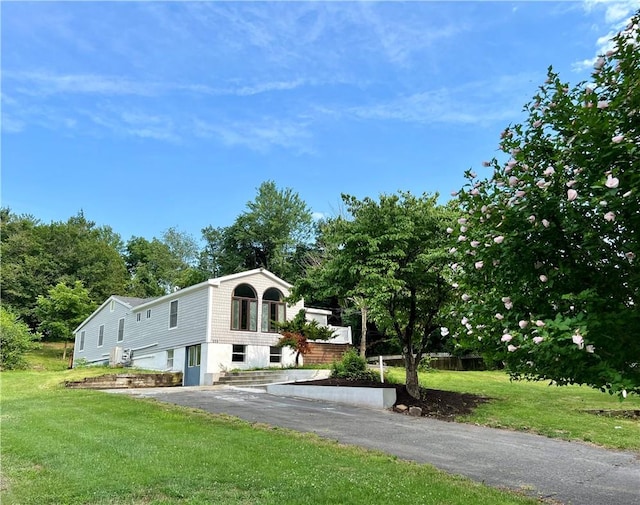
x=101, y=335
x=275, y=354
x=112, y=307
x=170, y=359
x=237, y=353
x=194, y=355
x=121, y=330
x=138, y=317
x=173, y=314
x=272, y=310
x=148, y=313
x=244, y=309
x=82, y=340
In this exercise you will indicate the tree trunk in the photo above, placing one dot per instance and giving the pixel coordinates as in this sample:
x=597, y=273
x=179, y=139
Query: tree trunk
x=411, y=375
x=363, y=337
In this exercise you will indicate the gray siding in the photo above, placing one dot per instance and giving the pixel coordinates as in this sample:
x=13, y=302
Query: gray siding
x=91, y=327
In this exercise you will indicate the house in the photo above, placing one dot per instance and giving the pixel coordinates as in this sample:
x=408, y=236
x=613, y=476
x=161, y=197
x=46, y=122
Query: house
x=203, y=330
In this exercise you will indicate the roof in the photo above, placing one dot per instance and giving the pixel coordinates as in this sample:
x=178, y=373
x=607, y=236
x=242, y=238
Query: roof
x=131, y=301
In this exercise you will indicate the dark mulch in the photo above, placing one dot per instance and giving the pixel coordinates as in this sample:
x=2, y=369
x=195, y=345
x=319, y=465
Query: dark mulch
x=444, y=405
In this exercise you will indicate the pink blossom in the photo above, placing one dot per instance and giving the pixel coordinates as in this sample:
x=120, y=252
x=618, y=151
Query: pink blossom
x=479, y=264
x=537, y=123
x=454, y=193
x=513, y=180
x=543, y=278
x=463, y=229
x=603, y=203
x=462, y=238
x=590, y=349
x=465, y=297
x=462, y=220
x=499, y=239
x=572, y=194
x=612, y=182
x=603, y=104
x=505, y=299
x=578, y=340
x=474, y=192
x=531, y=219
x=473, y=175
x=537, y=340
x=512, y=348
x=617, y=139
x=486, y=163
x=449, y=230
x=627, y=194
x=571, y=183
x=506, y=337
x=511, y=163
x=499, y=316
x=542, y=184
x=610, y=216
x=523, y=324
x=545, y=223
x=474, y=243
x=465, y=321
x=520, y=193
x=630, y=255
x=598, y=64
x=453, y=250
x=508, y=305
x=539, y=323
x=549, y=171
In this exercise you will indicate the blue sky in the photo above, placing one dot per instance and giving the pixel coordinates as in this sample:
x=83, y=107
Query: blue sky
x=148, y=115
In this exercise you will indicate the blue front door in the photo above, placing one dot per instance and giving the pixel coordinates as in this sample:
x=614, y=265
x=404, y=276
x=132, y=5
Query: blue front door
x=192, y=366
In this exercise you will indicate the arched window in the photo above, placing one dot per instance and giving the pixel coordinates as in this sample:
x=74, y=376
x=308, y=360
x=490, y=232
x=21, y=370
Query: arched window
x=244, y=308
x=273, y=310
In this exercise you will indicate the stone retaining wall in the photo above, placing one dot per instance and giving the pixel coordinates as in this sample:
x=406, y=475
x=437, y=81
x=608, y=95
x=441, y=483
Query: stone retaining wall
x=127, y=380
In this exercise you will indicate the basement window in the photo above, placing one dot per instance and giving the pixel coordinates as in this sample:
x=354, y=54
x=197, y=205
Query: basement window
x=238, y=353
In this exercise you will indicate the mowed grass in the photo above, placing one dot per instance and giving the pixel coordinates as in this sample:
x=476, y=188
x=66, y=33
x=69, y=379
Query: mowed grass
x=88, y=447
x=536, y=407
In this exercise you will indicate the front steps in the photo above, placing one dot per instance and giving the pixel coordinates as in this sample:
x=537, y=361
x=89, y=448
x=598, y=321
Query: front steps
x=252, y=378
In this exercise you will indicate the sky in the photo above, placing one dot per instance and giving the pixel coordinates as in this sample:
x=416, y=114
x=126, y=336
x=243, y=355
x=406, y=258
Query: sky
x=151, y=115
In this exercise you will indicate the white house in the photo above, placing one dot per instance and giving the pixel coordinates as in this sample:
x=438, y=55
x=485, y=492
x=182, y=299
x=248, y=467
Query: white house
x=203, y=330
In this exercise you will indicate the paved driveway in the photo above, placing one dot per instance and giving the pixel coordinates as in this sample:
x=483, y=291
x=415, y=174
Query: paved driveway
x=569, y=472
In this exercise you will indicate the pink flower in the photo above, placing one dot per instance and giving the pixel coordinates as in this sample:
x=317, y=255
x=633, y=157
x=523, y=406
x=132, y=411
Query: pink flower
x=511, y=163
x=475, y=192
x=543, y=184
x=513, y=180
x=463, y=229
x=630, y=255
x=537, y=340
x=609, y=216
x=572, y=194
x=464, y=321
x=474, y=243
x=473, y=175
x=523, y=324
x=454, y=193
x=506, y=337
x=486, y=163
x=603, y=104
x=479, y=264
x=627, y=194
x=465, y=297
x=512, y=348
x=453, y=250
x=617, y=139
x=590, y=349
x=462, y=220
x=578, y=340
x=499, y=239
x=499, y=316
x=543, y=278
x=449, y=230
x=508, y=305
x=537, y=124
x=549, y=171
x=598, y=65
x=539, y=323
x=462, y=238
x=520, y=193
x=531, y=219
x=545, y=223
x=612, y=182
x=571, y=183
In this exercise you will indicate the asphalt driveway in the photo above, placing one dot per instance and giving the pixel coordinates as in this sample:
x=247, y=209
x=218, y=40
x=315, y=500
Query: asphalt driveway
x=568, y=472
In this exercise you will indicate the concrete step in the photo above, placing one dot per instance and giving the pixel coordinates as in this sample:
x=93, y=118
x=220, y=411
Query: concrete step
x=251, y=378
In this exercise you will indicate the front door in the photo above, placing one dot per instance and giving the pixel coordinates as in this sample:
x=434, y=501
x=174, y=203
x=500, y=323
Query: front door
x=192, y=366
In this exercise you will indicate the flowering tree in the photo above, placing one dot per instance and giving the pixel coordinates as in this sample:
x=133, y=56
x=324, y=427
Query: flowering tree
x=546, y=252
x=297, y=333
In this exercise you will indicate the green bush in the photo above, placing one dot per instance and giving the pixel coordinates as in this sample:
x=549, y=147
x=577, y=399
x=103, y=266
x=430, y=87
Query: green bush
x=352, y=367
x=15, y=341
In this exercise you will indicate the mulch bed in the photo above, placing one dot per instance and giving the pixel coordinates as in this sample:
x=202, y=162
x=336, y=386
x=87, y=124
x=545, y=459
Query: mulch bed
x=443, y=405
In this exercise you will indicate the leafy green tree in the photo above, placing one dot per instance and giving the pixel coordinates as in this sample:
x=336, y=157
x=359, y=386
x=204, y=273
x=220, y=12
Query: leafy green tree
x=274, y=232
x=547, y=250
x=297, y=333
x=391, y=255
x=16, y=339
x=62, y=311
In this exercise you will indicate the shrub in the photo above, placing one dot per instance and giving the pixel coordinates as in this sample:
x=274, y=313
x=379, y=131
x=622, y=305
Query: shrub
x=352, y=367
x=15, y=341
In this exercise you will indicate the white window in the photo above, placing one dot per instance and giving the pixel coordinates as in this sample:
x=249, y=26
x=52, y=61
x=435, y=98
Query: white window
x=82, y=340
x=112, y=307
x=273, y=310
x=148, y=313
x=121, y=330
x=238, y=353
x=194, y=356
x=275, y=354
x=173, y=314
x=170, y=359
x=138, y=317
x=101, y=335
x=244, y=308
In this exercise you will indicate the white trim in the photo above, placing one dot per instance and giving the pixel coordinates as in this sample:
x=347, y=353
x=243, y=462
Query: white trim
x=209, y=333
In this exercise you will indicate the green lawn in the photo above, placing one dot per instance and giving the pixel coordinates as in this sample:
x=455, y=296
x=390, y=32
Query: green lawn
x=87, y=447
x=539, y=408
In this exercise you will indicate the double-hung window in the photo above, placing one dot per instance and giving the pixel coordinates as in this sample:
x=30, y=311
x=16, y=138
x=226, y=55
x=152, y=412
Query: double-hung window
x=82, y=341
x=169, y=359
x=101, y=335
x=173, y=314
x=275, y=354
x=238, y=353
x=121, y=330
x=244, y=309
